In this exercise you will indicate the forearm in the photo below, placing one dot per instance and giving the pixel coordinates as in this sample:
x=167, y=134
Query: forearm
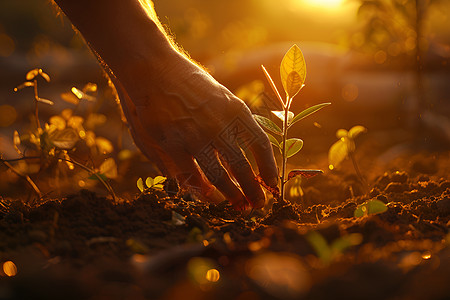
x=122, y=32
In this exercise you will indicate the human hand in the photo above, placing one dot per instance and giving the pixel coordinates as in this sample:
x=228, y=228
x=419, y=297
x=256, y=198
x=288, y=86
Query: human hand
x=193, y=128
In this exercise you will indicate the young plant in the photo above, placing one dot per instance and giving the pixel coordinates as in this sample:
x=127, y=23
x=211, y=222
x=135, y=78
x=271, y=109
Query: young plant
x=54, y=141
x=329, y=252
x=371, y=207
x=345, y=148
x=156, y=183
x=293, y=74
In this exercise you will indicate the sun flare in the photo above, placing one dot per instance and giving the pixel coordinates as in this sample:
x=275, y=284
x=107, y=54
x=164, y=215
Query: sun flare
x=325, y=3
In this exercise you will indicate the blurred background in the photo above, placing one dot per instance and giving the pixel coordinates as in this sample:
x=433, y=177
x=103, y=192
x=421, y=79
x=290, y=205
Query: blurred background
x=383, y=64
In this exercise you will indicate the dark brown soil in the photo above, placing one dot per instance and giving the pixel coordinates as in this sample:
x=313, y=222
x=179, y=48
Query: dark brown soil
x=87, y=247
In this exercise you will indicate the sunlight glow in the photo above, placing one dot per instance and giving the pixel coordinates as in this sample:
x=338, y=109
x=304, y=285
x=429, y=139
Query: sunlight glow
x=324, y=3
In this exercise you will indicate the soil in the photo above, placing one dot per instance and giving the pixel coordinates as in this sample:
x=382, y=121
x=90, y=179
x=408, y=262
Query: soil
x=156, y=246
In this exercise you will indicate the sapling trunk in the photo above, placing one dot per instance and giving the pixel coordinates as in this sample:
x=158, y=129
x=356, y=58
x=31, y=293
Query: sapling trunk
x=283, y=151
x=36, y=101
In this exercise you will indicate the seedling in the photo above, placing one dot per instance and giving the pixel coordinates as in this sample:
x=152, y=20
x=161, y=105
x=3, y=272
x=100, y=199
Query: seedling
x=156, y=183
x=371, y=207
x=54, y=141
x=293, y=74
x=345, y=148
x=329, y=252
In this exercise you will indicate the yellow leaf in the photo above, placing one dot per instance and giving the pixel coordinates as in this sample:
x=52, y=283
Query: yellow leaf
x=81, y=95
x=89, y=137
x=104, y=145
x=76, y=122
x=94, y=120
x=293, y=71
x=44, y=75
x=16, y=142
x=140, y=184
x=109, y=168
x=90, y=88
x=58, y=122
x=66, y=113
x=338, y=152
x=149, y=182
x=25, y=84
x=32, y=74
x=70, y=98
x=64, y=139
x=341, y=133
x=46, y=101
x=356, y=130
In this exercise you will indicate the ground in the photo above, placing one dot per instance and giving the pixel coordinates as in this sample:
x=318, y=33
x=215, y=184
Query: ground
x=157, y=246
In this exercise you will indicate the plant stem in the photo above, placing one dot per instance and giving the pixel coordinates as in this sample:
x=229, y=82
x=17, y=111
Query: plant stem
x=358, y=172
x=283, y=154
x=105, y=184
x=36, y=101
x=26, y=177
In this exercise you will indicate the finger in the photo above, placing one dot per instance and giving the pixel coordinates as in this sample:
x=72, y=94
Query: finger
x=262, y=151
x=140, y=137
x=209, y=162
x=239, y=166
x=190, y=177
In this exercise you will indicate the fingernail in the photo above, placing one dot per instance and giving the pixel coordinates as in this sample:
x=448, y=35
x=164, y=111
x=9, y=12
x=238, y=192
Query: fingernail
x=215, y=196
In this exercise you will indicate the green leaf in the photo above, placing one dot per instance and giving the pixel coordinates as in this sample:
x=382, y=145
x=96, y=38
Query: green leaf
x=64, y=139
x=339, y=245
x=149, y=182
x=337, y=153
x=140, y=184
x=308, y=112
x=320, y=246
x=371, y=207
x=356, y=130
x=293, y=71
x=268, y=124
x=293, y=146
x=274, y=141
x=280, y=114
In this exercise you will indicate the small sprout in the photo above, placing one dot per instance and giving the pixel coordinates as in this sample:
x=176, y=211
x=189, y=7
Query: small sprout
x=293, y=75
x=156, y=183
x=108, y=168
x=344, y=148
x=371, y=207
x=328, y=252
x=140, y=184
x=31, y=75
